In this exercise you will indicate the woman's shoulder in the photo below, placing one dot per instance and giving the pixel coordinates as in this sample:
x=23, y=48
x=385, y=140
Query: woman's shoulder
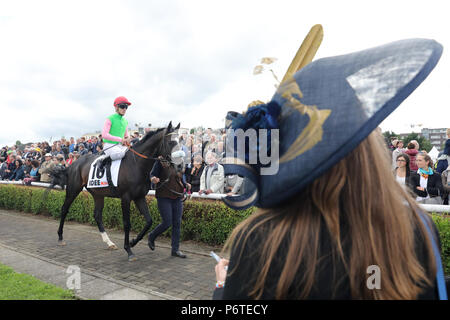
x=411, y=152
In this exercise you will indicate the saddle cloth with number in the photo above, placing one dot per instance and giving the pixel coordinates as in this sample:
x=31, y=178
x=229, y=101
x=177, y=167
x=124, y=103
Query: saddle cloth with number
x=97, y=178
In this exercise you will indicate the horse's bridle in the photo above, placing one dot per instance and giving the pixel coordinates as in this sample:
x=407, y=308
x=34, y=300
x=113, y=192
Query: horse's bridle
x=162, y=184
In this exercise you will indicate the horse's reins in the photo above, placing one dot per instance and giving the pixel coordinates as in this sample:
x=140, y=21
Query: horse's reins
x=141, y=155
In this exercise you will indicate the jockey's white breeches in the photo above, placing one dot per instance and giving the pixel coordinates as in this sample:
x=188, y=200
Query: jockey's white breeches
x=115, y=151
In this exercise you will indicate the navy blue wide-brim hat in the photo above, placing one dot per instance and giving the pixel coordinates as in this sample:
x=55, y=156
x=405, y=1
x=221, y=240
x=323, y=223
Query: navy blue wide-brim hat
x=323, y=113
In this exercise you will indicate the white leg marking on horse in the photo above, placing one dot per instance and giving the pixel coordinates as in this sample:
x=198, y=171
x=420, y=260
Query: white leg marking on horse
x=107, y=240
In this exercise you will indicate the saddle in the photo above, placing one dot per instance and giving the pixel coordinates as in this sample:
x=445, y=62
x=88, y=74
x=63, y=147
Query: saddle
x=104, y=174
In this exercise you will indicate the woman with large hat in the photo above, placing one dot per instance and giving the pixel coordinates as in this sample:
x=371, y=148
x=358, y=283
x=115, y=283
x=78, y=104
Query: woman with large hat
x=332, y=222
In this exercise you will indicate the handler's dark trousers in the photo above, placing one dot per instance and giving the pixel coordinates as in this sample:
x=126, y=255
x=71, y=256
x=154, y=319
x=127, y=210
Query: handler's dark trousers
x=171, y=211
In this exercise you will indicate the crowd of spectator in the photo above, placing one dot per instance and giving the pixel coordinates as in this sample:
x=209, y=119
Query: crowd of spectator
x=32, y=162
x=202, y=169
x=414, y=169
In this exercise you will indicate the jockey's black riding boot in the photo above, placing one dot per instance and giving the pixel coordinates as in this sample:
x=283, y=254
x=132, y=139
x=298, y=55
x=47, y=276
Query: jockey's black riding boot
x=101, y=161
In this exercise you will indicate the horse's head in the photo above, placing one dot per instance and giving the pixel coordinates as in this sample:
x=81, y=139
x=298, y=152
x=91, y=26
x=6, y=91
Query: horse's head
x=170, y=141
x=159, y=143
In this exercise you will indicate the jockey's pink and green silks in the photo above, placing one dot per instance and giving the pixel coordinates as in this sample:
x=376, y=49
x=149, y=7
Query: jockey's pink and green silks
x=117, y=129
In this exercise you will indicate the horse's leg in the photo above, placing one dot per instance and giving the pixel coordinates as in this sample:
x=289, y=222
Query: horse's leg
x=141, y=204
x=71, y=194
x=99, y=202
x=126, y=227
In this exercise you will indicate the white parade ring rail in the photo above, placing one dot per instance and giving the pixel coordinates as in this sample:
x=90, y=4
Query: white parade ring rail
x=217, y=196
x=212, y=196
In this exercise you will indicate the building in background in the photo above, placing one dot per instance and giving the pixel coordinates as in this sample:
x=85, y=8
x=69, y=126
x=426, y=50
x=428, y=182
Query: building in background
x=437, y=137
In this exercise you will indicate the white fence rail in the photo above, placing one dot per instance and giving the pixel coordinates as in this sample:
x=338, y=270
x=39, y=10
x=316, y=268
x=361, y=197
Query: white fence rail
x=217, y=196
x=212, y=196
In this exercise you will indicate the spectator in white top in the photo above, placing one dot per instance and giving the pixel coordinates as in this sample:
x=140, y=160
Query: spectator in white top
x=212, y=179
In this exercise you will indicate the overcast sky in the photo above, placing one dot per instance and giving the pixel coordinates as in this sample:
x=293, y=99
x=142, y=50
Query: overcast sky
x=62, y=63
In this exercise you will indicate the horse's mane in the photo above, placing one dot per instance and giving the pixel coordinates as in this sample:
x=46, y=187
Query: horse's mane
x=147, y=136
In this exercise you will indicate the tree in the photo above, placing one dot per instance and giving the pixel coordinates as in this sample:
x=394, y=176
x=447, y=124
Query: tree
x=18, y=143
x=389, y=134
x=424, y=144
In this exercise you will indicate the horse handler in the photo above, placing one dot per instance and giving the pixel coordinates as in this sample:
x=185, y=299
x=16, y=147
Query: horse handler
x=169, y=195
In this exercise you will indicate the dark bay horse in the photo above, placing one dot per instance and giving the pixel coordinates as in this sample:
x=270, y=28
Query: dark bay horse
x=133, y=184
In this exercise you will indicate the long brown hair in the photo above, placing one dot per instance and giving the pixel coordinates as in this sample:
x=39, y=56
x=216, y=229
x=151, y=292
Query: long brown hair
x=361, y=193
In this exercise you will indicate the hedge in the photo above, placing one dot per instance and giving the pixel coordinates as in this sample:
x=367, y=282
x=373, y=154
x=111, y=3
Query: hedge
x=207, y=221
x=203, y=220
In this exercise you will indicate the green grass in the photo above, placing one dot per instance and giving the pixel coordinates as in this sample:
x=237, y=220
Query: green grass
x=17, y=286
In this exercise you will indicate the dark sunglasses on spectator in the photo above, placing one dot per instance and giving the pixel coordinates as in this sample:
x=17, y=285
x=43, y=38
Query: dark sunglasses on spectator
x=123, y=106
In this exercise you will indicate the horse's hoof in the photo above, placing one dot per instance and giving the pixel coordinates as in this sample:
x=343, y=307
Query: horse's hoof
x=132, y=258
x=113, y=247
x=61, y=243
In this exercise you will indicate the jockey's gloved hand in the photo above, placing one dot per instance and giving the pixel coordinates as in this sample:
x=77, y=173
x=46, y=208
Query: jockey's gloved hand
x=126, y=141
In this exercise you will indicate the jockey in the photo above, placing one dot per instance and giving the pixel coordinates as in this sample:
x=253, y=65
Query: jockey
x=115, y=132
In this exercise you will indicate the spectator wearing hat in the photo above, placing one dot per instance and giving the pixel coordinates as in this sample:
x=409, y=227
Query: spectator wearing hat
x=300, y=244
x=60, y=160
x=45, y=168
x=38, y=155
x=115, y=132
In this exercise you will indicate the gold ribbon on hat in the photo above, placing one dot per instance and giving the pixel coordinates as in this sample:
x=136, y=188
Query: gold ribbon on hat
x=313, y=132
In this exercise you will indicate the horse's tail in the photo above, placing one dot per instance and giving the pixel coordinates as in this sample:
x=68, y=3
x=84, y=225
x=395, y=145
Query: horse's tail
x=59, y=177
